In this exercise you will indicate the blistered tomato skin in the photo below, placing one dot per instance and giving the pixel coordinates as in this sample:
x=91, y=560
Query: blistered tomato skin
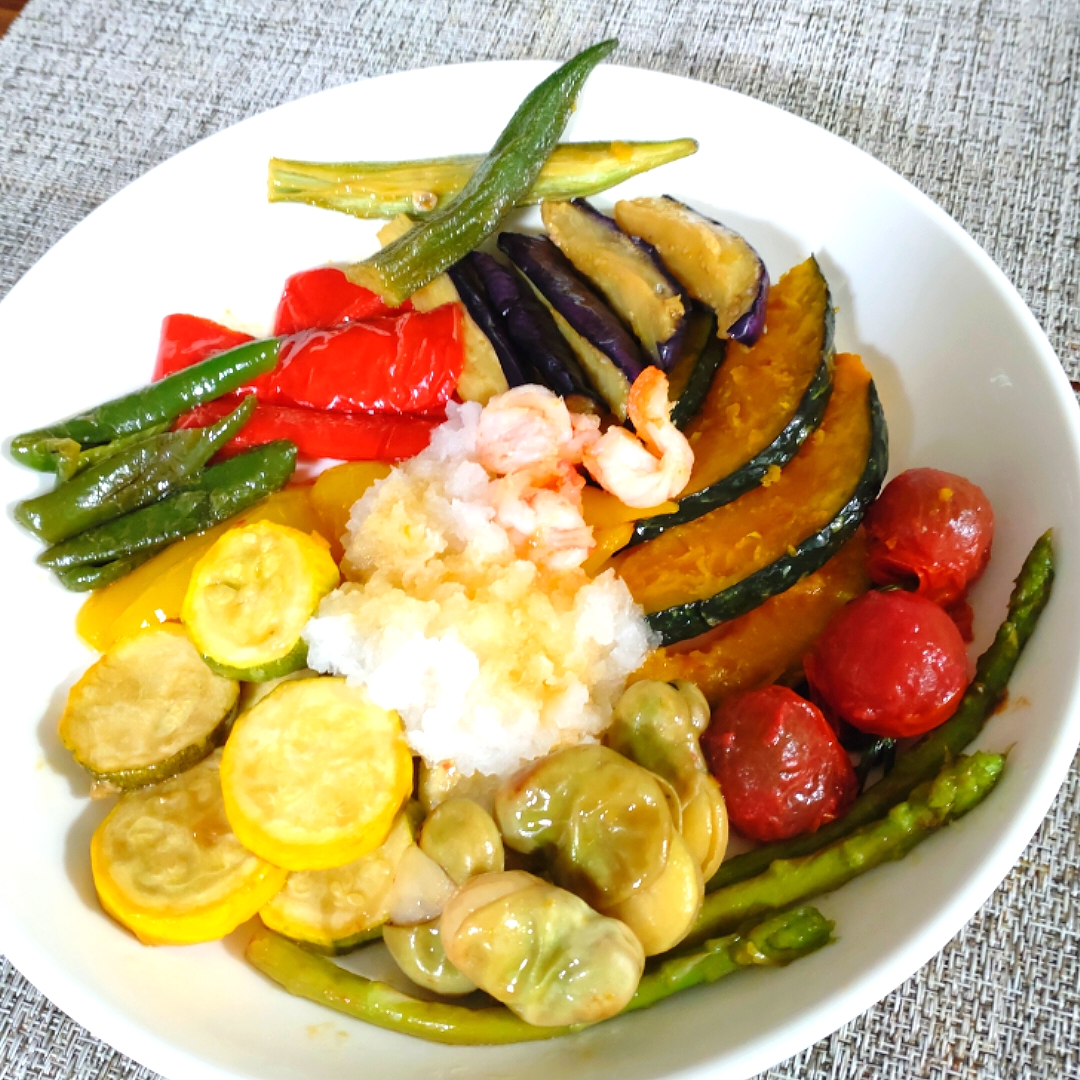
x=932, y=527
x=890, y=663
x=780, y=766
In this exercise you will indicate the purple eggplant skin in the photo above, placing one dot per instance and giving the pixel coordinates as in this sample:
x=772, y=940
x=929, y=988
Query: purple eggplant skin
x=670, y=350
x=748, y=328
x=532, y=331
x=567, y=292
x=470, y=288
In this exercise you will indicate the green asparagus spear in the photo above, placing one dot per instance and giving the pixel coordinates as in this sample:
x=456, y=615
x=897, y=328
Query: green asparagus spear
x=776, y=941
x=503, y=177
x=384, y=189
x=140, y=475
x=992, y=674
x=961, y=785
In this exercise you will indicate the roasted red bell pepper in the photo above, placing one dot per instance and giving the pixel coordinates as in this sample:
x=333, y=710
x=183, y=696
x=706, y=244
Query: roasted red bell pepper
x=407, y=363
x=369, y=437
x=323, y=298
x=187, y=340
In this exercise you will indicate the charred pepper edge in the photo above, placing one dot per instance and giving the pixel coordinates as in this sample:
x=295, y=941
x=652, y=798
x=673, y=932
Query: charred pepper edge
x=775, y=941
x=994, y=668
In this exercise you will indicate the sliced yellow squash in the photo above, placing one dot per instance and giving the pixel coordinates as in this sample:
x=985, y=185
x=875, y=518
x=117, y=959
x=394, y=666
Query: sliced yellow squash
x=314, y=774
x=251, y=595
x=168, y=867
x=333, y=911
x=147, y=710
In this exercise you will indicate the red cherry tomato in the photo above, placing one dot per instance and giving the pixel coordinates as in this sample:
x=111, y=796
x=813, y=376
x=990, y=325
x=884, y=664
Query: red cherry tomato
x=781, y=768
x=930, y=526
x=890, y=663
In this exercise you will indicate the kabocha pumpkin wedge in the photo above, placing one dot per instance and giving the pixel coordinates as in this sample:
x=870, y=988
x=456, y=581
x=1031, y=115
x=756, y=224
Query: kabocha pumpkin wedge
x=762, y=403
x=769, y=642
x=251, y=595
x=168, y=867
x=733, y=559
x=148, y=709
x=314, y=775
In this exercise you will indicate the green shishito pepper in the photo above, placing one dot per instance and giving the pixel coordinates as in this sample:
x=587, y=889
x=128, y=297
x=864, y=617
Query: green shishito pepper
x=992, y=673
x=57, y=448
x=85, y=578
x=499, y=182
x=219, y=493
x=957, y=788
x=133, y=478
x=774, y=942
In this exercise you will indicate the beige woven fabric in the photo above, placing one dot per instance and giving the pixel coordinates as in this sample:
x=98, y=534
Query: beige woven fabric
x=977, y=102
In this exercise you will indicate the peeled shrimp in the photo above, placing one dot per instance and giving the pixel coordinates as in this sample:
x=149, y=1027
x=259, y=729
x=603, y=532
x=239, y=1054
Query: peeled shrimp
x=530, y=427
x=652, y=466
x=531, y=442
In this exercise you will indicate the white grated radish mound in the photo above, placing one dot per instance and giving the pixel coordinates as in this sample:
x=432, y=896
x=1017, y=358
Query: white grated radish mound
x=489, y=660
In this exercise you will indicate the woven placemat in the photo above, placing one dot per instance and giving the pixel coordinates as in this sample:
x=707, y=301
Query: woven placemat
x=978, y=104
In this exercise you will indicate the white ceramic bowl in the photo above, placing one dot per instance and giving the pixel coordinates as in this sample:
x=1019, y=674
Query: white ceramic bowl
x=969, y=383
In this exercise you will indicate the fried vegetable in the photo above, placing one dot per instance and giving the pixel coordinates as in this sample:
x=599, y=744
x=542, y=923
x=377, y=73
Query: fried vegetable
x=541, y=950
x=627, y=272
x=463, y=839
x=252, y=594
x=602, y=821
x=662, y=914
x=47, y=449
x=220, y=492
x=532, y=329
x=421, y=889
x=168, y=867
x=146, y=710
x=442, y=781
x=992, y=673
x=499, y=181
x=383, y=189
x=315, y=774
x=774, y=942
x=334, y=911
x=695, y=365
x=141, y=475
x=571, y=296
x=418, y=951
x=959, y=787
x=658, y=725
x=155, y=592
x=715, y=264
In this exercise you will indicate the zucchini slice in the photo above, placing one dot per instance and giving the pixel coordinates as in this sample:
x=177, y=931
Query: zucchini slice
x=335, y=911
x=762, y=403
x=726, y=563
x=627, y=271
x=147, y=710
x=168, y=867
x=768, y=643
x=696, y=365
x=251, y=595
x=314, y=775
x=713, y=263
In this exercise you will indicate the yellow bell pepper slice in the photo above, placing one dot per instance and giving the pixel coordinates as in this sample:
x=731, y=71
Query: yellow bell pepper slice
x=334, y=493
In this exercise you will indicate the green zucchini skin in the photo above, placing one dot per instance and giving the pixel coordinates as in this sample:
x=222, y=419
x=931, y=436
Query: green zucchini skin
x=803, y=423
x=688, y=620
x=706, y=352
x=293, y=660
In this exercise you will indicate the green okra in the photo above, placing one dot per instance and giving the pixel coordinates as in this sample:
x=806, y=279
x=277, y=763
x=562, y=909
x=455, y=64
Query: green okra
x=58, y=446
x=220, y=492
x=384, y=189
x=992, y=674
x=959, y=786
x=499, y=181
x=776, y=941
x=142, y=474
